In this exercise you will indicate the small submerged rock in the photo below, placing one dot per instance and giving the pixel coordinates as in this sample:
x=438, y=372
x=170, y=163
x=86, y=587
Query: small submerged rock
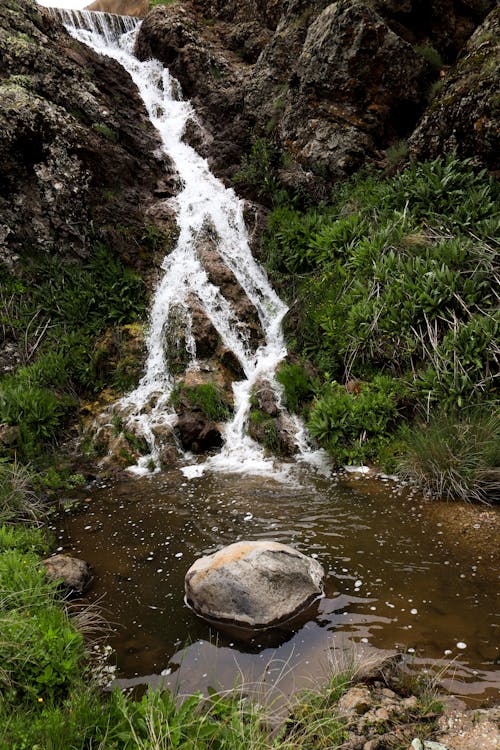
x=253, y=584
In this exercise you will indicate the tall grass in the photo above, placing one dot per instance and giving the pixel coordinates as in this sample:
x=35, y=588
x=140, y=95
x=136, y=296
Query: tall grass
x=18, y=500
x=456, y=457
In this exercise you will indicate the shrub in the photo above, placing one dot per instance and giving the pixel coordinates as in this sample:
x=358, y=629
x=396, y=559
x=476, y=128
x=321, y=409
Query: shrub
x=354, y=425
x=398, y=275
x=298, y=386
x=456, y=457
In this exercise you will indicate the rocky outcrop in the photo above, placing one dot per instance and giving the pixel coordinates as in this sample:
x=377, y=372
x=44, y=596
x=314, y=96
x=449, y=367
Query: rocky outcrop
x=253, y=584
x=72, y=574
x=331, y=85
x=79, y=155
x=463, y=117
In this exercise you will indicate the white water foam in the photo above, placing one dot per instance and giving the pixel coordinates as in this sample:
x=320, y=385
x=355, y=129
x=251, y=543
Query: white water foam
x=203, y=201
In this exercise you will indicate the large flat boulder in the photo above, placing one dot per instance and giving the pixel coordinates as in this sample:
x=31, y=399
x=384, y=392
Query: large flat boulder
x=253, y=584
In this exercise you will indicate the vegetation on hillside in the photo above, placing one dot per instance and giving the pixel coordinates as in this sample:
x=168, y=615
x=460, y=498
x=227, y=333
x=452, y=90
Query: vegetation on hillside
x=394, y=299
x=67, y=320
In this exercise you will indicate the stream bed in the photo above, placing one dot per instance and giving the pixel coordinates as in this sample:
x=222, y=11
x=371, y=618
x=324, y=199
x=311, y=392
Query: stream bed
x=397, y=580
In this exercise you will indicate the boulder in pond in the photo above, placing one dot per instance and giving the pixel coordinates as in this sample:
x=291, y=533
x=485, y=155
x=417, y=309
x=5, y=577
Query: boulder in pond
x=253, y=584
x=73, y=574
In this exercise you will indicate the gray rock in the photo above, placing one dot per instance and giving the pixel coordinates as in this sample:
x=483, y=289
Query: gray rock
x=463, y=116
x=74, y=574
x=253, y=584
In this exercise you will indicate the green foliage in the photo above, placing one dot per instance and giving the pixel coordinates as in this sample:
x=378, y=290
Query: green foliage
x=400, y=276
x=18, y=501
x=40, y=652
x=397, y=153
x=354, y=425
x=105, y=131
x=430, y=54
x=258, y=170
x=70, y=305
x=314, y=723
x=207, y=398
x=264, y=430
x=24, y=539
x=298, y=386
x=456, y=457
x=37, y=412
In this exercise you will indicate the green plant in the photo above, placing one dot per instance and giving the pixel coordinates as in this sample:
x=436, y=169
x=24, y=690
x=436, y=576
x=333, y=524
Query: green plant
x=106, y=131
x=37, y=412
x=40, y=652
x=354, y=425
x=456, y=456
x=258, y=169
x=299, y=387
x=397, y=153
x=18, y=500
x=206, y=397
x=24, y=539
x=430, y=54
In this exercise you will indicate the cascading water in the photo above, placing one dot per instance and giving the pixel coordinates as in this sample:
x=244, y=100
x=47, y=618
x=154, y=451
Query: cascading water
x=202, y=202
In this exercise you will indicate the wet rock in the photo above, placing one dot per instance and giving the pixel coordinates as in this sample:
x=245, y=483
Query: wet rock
x=197, y=433
x=222, y=277
x=253, y=584
x=74, y=574
x=463, y=116
x=287, y=433
x=137, y=8
x=265, y=398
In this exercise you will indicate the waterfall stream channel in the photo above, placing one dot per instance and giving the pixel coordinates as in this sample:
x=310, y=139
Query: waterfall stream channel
x=400, y=576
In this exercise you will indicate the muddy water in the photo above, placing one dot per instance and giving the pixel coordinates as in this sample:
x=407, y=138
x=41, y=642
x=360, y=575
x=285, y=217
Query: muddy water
x=396, y=580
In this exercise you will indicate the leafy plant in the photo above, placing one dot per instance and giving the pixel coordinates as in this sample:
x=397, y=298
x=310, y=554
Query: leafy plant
x=298, y=386
x=354, y=425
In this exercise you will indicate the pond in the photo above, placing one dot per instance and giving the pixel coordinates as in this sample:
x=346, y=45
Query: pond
x=397, y=580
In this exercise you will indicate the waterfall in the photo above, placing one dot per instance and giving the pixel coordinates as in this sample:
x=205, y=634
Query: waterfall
x=107, y=26
x=202, y=202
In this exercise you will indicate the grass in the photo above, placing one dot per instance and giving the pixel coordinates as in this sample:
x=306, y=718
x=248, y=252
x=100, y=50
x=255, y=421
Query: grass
x=456, y=457
x=18, y=499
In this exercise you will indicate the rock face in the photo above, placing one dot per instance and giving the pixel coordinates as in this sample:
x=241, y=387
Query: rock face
x=75, y=575
x=79, y=154
x=331, y=85
x=253, y=584
x=464, y=114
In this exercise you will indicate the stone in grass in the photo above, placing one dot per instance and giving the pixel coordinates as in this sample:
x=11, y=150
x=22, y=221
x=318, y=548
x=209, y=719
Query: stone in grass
x=253, y=584
x=73, y=574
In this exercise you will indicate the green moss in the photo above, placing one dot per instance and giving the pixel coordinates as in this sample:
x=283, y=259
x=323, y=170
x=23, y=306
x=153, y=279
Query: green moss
x=106, y=131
